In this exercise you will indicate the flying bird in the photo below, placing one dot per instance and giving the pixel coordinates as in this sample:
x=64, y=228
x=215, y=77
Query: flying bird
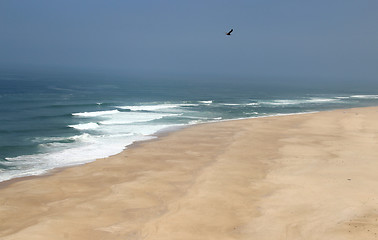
x=229, y=33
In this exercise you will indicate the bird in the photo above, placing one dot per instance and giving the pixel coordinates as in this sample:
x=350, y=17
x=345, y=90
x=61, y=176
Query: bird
x=229, y=33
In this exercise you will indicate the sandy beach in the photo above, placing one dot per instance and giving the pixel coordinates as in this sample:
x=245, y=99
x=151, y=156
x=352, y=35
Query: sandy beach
x=307, y=176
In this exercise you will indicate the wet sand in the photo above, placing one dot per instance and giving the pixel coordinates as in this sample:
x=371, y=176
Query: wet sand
x=309, y=176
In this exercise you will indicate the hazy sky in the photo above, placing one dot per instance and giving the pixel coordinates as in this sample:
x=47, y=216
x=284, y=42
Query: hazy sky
x=326, y=39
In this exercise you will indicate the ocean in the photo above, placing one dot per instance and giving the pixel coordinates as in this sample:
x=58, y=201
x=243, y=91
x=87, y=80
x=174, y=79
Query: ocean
x=56, y=120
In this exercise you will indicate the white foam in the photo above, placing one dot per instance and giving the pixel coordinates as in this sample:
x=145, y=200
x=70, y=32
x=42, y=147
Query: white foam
x=95, y=114
x=53, y=145
x=85, y=126
x=154, y=107
x=83, y=136
x=193, y=122
x=134, y=117
x=194, y=117
x=319, y=100
x=136, y=130
x=299, y=101
x=93, y=148
x=282, y=102
x=207, y=102
x=241, y=104
x=10, y=174
x=365, y=96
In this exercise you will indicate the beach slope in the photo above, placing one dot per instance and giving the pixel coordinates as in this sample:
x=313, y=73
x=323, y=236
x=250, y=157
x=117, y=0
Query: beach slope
x=308, y=176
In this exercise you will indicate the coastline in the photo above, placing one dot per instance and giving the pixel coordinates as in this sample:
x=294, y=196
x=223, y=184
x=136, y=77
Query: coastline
x=227, y=180
x=155, y=136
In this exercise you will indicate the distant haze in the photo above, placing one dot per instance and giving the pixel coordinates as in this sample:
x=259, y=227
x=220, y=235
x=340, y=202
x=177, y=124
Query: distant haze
x=319, y=40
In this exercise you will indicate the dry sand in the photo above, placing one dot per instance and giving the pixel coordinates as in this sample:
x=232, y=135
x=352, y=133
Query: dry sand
x=311, y=176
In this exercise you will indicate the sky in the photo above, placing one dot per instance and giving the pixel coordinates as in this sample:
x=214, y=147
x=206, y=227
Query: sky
x=316, y=40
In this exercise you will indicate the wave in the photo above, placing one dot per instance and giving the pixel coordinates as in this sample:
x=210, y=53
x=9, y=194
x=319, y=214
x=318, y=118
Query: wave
x=154, y=107
x=241, y=104
x=81, y=105
x=95, y=114
x=37, y=164
x=207, y=102
x=68, y=139
x=365, y=96
x=282, y=102
x=122, y=118
x=85, y=148
x=51, y=116
x=53, y=145
x=85, y=126
x=67, y=142
x=204, y=119
x=321, y=100
x=299, y=101
x=135, y=117
x=233, y=104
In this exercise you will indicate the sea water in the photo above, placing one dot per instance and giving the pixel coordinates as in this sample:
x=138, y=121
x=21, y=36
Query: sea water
x=49, y=121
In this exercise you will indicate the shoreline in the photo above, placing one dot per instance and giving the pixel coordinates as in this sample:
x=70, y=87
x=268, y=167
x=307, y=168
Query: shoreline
x=267, y=178
x=155, y=136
